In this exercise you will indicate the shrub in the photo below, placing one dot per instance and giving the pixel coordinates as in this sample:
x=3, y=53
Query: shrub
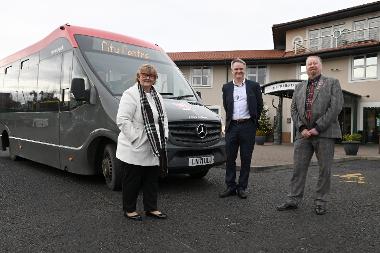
x=260, y=132
x=352, y=137
x=265, y=128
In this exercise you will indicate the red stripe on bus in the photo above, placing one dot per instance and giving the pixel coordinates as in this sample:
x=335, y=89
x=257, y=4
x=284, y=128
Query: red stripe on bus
x=69, y=32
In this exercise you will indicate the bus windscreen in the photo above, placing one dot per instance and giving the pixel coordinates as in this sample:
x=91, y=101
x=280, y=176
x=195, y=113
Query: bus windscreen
x=116, y=65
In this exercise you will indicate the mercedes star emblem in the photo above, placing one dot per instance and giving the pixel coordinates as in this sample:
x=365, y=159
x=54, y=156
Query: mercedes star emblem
x=201, y=131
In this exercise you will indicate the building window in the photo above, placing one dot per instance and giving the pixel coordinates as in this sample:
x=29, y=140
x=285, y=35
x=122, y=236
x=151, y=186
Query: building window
x=323, y=38
x=302, y=75
x=257, y=74
x=364, y=67
x=374, y=28
x=297, y=42
x=341, y=35
x=201, y=76
x=367, y=29
x=359, y=28
x=326, y=38
x=314, y=40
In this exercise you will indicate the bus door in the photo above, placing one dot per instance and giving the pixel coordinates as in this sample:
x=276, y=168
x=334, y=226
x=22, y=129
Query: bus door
x=75, y=119
x=38, y=128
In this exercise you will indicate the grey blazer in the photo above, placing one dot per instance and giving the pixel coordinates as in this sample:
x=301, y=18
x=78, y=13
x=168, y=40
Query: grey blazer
x=327, y=104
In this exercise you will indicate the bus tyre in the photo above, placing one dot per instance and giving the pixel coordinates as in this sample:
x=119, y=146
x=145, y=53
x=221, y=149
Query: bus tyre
x=111, y=167
x=199, y=175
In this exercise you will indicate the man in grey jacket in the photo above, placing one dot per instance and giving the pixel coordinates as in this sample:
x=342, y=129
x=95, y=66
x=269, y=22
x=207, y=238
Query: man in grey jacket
x=315, y=107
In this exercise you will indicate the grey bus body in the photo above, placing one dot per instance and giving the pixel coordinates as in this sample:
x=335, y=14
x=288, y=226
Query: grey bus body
x=58, y=107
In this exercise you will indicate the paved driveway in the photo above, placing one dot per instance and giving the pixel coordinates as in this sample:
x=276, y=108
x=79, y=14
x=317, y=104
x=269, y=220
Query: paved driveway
x=46, y=210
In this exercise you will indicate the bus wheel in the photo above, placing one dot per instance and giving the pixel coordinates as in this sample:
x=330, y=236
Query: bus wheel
x=111, y=167
x=199, y=175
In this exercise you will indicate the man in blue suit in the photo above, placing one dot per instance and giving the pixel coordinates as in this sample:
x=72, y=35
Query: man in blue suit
x=243, y=103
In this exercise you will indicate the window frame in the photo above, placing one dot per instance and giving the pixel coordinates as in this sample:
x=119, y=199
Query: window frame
x=364, y=66
x=366, y=28
x=209, y=76
x=331, y=40
x=296, y=41
x=256, y=67
x=300, y=73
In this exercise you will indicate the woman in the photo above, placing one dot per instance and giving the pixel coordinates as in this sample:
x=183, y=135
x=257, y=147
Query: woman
x=143, y=132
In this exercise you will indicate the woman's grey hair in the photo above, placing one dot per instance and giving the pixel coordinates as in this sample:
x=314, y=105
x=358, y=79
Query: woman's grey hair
x=146, y=69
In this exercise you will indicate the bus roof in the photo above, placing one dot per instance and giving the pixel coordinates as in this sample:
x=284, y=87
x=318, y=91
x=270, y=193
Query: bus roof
x=68, y=31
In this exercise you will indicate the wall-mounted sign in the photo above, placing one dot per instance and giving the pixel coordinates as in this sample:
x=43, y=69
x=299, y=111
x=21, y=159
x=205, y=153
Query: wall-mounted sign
x=280, y=87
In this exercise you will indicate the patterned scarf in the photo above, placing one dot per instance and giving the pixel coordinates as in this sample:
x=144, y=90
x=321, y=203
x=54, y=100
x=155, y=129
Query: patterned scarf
x=157, y=143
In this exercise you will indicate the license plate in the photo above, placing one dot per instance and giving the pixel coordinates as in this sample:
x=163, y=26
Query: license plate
x=204, y=160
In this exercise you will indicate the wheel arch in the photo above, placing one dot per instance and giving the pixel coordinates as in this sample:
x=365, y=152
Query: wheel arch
x=4, y=132
x=4, y=140
x=95, y=151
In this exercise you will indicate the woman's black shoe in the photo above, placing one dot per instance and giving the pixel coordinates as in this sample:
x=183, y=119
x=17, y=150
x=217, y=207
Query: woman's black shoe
x=136, y=217
x=157, y=216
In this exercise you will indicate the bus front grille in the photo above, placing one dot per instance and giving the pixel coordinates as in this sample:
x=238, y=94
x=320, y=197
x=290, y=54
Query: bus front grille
x=195, y=132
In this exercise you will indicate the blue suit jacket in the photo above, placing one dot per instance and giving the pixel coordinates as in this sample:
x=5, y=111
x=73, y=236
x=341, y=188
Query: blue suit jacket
x=254, y=100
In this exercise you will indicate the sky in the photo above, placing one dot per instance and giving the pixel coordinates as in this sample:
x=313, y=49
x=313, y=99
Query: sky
x=175, y=25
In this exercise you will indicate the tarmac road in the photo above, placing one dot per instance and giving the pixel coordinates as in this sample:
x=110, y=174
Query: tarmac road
x=46, y=210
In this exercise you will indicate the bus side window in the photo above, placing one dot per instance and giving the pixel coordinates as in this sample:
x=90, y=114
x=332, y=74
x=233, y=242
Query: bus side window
x=78, y=73
x=49, y=77
x=1, y=77
x=27, y=83
x=3, y=95
x=67, y=66
x=11, y=74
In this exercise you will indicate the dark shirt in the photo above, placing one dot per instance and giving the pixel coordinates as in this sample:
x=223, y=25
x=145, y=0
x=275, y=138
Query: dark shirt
x=311, y=85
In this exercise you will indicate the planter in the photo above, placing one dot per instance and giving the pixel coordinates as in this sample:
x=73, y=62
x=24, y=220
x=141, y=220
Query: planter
x=269, y=138
x=259, y=140
x=351, y=147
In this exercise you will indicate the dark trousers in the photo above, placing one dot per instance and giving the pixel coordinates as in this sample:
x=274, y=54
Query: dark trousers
x=140, y=177
x=239, y=135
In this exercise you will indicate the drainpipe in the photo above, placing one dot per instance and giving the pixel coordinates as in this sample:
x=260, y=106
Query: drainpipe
x=227, y=69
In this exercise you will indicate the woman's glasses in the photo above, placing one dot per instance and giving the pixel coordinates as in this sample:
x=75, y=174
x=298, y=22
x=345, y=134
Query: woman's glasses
x=150, y=76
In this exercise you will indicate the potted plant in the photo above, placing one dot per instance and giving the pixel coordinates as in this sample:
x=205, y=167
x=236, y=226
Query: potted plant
x=260, y=137
x=351, y=143
x=264, y=128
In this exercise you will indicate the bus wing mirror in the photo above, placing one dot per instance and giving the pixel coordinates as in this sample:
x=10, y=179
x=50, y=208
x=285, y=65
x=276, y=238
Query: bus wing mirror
x=78, y=89
x=199, y=94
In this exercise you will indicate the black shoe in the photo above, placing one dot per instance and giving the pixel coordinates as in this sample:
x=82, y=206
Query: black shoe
x=320, y=210
x=228, y=192
x=136, y=217
x=286, y=206
x=161, y=216
x=242, y=194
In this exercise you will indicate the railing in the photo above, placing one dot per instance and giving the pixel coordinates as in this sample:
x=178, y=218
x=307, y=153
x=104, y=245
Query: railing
x=339, y=38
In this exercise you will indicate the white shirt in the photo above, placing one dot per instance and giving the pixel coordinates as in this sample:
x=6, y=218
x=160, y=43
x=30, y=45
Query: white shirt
x=240, y=102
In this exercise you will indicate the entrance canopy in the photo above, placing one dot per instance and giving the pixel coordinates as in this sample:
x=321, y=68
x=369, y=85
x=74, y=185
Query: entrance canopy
x=282, y=88
x=285, y=88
